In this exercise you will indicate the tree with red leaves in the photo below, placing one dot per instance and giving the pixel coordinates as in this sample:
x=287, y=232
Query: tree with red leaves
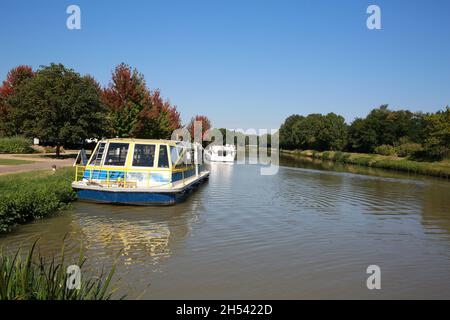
x=136, y=112
x=195, y=124
x=15, y=78
x=126, y=97
x=162, y=118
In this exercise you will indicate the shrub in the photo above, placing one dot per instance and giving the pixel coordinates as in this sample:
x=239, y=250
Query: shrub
x=385, y=150
x=408, y=149
x=15, y=145
x=340, y=156
x=362, y=161
x=327, y=155
x=35, y=195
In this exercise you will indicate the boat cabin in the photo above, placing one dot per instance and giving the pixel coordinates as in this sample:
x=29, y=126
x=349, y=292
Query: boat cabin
x=139, y=163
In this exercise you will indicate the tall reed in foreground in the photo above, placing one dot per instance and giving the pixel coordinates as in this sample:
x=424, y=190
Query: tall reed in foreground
x=27, y=277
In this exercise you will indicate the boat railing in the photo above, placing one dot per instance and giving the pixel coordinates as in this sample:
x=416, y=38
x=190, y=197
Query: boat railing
x=130, y=178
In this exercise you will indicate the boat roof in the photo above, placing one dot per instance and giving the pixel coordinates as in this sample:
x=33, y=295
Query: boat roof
x=133, y=140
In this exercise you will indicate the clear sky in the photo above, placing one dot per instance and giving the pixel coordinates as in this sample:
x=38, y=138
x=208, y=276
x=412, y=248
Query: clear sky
x=247, y=63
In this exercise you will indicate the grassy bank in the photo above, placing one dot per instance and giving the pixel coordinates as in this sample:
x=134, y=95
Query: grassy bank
x=436, y=169
x=27, y=276
x=33, y=195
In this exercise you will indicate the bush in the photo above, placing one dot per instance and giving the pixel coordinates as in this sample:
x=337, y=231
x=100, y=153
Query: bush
x=327, y=155
x=15, y=145
x=340, y=156
x=385, y=150
x=408, y=149
x=34, y=195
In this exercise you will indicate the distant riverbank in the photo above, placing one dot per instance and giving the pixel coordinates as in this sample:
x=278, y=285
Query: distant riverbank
x=436, y=169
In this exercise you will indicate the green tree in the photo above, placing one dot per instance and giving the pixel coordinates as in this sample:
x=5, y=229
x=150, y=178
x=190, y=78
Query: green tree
x=287, y=139
x=437, y=142
x=362, y=138
x=385, y=127
x=332, y=133
x=320, y=132
x=59, y=106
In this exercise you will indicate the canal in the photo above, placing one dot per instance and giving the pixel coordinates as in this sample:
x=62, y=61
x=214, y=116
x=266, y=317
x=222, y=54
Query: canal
x=310, y=231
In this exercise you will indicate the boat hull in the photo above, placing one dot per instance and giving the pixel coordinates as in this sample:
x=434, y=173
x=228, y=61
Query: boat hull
x=136, y=197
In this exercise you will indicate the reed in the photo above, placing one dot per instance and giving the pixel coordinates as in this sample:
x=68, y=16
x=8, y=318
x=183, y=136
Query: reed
x=31, y=277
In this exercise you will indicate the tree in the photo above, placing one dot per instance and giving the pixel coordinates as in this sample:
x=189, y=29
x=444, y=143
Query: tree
x=385, y=127
x=59, y=106
x=16, y=77
x=205, y=125
x=437, y=143
x=159, y=119
x=317, y=132
x=128, y=101
x=362, y=138
x=333, y=133
x=136, y=112
x=287, y=140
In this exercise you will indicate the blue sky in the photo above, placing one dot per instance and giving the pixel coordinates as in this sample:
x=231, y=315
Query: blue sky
x=247, y=63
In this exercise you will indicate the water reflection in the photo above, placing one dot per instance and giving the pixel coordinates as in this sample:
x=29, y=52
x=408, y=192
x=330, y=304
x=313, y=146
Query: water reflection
x=308, y=232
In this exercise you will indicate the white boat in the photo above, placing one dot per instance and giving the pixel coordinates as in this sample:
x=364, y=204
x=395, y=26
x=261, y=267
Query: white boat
x=217, y=153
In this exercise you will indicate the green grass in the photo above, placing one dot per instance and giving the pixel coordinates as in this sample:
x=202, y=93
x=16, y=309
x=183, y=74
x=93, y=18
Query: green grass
x=31, y=277
x=14, y=162
x=437, y=169
x=33, y=195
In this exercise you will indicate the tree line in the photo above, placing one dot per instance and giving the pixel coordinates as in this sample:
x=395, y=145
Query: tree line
x=383, y=131
x=58, y=105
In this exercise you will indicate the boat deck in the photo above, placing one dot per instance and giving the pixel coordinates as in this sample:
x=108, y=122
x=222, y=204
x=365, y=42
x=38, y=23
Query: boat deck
x=174, y=187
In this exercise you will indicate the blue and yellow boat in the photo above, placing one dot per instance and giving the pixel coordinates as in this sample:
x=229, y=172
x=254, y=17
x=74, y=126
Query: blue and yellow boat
x=140, y=172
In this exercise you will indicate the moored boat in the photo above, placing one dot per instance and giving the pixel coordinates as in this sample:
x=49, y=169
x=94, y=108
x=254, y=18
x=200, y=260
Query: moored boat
x=218, y=153
x=140, y=172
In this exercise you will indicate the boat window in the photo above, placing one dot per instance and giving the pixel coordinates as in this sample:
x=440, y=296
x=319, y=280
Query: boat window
x=117, y=154
x=174, y=154
x=96, y=159
x=144, y=155
x=163, y=158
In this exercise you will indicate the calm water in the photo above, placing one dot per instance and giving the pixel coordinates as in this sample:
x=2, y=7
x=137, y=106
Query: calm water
x=308, y=232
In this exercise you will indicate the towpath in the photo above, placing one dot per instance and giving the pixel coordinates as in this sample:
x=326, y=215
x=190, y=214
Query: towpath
x=40, y=163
